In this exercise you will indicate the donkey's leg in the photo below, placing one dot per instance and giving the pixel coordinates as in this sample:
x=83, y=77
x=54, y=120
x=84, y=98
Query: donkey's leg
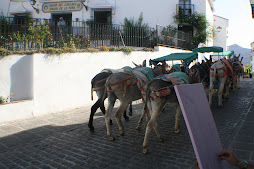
x=125, y=115
x=93, y=110
x=123, y=106
x=211, y=91
x=221, y=88
x=238, y=81
x=227, y=88
x=130, y=109
x=141, y=117
x=150, y=125
x=102, y=107
x=111, y=102
x=177, y=118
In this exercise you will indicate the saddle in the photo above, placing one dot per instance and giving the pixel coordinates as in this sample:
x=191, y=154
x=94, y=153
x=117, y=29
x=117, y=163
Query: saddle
x=123, y=69
x=177, y=78
x=143, y=75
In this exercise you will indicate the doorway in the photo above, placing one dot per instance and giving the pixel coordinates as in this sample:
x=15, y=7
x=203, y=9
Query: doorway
x=66, y=16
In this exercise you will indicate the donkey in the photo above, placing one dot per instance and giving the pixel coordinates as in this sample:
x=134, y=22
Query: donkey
x=98, y=85
x=127, y=87
x=238, y=69
x=199, y=72
x=160, y=94
x=222, y=72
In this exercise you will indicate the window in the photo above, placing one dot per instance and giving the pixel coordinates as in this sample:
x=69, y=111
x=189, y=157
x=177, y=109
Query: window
x=185, y=7
x=103, y=16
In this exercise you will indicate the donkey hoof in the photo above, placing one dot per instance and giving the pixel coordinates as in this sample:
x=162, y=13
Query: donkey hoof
x=145, y=151
x=112, y=138
x=138, y=128
x=121, y=133
x=177, y=131
x=161, y=139
x=130, y=113
x=91, y=127
x=220, y=105
x=111, y=122
x=126, y=118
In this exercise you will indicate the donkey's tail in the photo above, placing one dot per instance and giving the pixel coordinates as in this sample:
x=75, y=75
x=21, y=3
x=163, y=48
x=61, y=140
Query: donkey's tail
x=92, y=84
x=214, y=72
x=105, y=95
x=147, y=94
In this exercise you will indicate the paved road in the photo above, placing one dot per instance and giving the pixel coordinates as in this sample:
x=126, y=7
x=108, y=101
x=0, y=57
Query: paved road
x=63, y=140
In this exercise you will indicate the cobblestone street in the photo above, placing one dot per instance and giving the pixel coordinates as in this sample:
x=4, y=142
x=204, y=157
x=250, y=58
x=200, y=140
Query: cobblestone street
x=63, y=140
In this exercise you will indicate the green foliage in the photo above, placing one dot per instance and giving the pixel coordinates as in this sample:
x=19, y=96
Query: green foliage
x=247, y=67
x=4, y=52
x=37, y=34
x=5, y=100
x=127, y=50
x=204, y=31
x=148, y=49
x=104, y=48
x=168, y=33
x=138, y=30
x=53, y=51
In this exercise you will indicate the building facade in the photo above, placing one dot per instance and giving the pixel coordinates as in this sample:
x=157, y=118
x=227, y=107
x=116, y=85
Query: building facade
x=114, y=12
x=220, y=32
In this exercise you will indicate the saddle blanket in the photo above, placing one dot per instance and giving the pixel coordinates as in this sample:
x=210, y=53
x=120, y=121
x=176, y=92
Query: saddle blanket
x=123, y=69
x=227, y=63
x=177, y=78
x=143, y=75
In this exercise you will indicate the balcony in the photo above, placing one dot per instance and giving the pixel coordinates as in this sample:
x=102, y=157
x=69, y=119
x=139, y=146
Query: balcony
x=185, y=9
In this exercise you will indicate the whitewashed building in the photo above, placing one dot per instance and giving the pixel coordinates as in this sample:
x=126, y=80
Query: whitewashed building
x=220, y=32
x=113, y=11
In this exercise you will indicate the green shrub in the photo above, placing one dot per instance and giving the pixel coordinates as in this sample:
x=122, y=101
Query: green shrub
x=148, y=49
x=113, y=49
x=104, y=48
x=53, y=51
x=4, y=52
x=127, y=50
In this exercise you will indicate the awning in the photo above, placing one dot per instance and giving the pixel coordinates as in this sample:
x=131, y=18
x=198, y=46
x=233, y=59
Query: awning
x=208, y=49
x=186, y=57
x=226, y=53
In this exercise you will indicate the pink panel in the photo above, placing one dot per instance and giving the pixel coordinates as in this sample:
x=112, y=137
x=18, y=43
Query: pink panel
x=201, y=127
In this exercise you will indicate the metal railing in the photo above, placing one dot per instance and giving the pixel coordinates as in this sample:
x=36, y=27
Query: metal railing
x=24, y=34
x=173, y=38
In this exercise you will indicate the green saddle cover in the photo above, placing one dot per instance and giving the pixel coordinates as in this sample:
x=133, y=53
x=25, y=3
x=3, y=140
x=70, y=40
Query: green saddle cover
x=146, y=71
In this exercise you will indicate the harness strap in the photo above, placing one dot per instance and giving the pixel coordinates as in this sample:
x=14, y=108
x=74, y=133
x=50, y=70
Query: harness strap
x=117, y=83
x=100, y=81
x=125, y=84
x=162, y=92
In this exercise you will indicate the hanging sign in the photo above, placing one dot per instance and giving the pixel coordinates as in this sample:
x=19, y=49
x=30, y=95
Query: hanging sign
x=62, y=7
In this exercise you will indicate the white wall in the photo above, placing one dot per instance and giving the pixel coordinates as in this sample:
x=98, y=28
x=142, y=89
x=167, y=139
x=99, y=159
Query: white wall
x=16, y=74
x=4, y=7
x=220, y=38
x=59, y=83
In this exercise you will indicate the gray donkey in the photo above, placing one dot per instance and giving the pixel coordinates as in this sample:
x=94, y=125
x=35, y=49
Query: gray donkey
x=127, y=87
x=98, y=85
x=159, y=94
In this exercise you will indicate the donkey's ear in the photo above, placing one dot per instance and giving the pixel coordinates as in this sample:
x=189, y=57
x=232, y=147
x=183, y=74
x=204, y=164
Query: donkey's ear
x=135, y=64
x=152, y=62
x=164, y=62
x=211, y=59
x=144, y=63
x=241, y=59
x=205, y=59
